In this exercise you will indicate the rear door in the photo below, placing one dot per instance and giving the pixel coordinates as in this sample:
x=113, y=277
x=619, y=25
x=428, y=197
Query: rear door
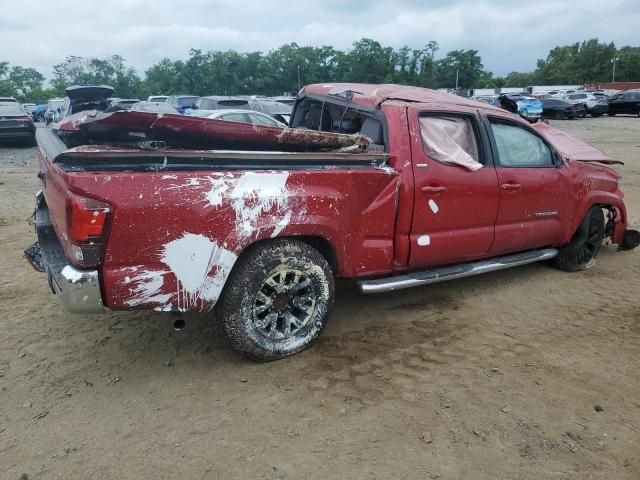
x=534, y=188
x=455, y=207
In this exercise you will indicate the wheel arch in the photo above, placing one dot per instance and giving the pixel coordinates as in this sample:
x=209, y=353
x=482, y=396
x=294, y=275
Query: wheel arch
x=605, y=200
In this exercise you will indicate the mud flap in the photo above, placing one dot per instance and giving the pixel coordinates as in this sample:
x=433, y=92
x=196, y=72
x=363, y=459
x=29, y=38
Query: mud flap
x=630, y=240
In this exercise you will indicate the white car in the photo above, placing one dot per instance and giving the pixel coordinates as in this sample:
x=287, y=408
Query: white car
x=157, y=98
x=243, y=116
x=154, y=107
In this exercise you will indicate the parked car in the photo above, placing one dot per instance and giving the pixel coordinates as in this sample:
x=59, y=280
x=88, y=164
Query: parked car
x=280, y=111
x=8, y=99
x=28, y=107
x=155, y=107
x=244, y=116
x=626, y=103
x=218, y=102
x=182, y=102
x=157, y=98
x=15, y=123
x=529, y=108
x=489, y=99
x=560, y=109
x=262, y=231
x=82, y=98
x=592, y=103
x=121, y=103
x=52, y=113
x=37, y=114
x=283, y=99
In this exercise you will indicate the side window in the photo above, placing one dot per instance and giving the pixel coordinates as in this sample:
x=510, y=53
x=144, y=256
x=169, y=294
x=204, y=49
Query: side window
x=235, y=117
x=451, y=140
x=261, y=120
x=519, y=148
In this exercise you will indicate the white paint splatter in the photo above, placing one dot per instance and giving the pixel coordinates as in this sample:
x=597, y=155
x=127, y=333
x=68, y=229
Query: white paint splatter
x=71, y=274
x=424, y=240
x=201, y=265
x=145, y=286
x=433, y=206
x=281, y=224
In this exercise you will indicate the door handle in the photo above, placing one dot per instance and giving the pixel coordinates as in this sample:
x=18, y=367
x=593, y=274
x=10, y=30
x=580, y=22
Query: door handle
x=511, y=187
x=434, y=189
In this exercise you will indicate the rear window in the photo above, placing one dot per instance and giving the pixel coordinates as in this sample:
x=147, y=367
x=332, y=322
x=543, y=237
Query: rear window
x=11, y=108
x=233, y=103
x=184, y=101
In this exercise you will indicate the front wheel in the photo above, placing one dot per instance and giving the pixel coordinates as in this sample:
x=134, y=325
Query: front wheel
x=581, y=252
x=277, y=299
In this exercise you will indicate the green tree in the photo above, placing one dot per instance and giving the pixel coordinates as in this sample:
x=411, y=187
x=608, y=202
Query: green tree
x=94, y=71
x=465, y=64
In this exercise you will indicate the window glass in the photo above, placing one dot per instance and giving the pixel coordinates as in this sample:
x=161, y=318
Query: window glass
x=234, y=117
x=451, y=140
x=261, y=120
x=520, y=148
x=10, y=109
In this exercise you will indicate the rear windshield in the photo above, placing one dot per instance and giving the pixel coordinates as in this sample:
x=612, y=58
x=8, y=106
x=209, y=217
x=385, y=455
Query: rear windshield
x=212, y=104
x=11, y=108
x=183, y=101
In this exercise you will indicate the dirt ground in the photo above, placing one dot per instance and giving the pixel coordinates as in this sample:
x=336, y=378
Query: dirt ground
x=492, y=377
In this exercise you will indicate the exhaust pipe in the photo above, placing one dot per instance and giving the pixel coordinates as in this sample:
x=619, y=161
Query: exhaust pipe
x=179, y=324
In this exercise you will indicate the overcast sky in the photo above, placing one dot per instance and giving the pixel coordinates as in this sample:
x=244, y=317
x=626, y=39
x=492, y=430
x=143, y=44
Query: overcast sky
x=510, y=35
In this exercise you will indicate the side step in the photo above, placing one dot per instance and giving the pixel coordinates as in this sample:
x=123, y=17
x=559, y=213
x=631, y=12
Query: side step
x=425, y=277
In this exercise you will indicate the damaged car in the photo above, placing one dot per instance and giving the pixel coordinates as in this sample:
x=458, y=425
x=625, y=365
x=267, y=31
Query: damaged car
x=392, y=186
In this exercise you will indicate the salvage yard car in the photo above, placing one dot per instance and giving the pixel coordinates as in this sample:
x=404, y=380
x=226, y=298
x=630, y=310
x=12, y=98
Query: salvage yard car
x=15, y=123
x=625, y=103
x=560, y=109
x=393, y=186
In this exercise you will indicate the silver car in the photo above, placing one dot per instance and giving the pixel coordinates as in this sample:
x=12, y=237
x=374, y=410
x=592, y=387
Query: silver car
x=595, y=104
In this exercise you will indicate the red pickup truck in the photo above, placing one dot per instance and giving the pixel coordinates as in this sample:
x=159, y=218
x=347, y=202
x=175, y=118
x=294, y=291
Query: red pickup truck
x=394, y=186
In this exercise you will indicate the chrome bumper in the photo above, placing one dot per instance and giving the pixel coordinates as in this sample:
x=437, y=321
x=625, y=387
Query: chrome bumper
x=78, y=290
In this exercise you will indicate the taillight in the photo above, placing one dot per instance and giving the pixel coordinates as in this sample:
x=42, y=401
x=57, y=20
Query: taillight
x=87, y=227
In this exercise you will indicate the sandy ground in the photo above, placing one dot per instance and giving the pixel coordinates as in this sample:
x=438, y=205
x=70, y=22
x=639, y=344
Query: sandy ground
x=493, y=377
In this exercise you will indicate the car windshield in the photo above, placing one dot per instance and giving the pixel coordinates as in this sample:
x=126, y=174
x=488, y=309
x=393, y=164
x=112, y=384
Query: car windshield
x=11, y=108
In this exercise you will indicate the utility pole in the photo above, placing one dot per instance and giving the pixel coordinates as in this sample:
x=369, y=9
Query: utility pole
x=457, y=72
x=614, y=60
x=299, y=83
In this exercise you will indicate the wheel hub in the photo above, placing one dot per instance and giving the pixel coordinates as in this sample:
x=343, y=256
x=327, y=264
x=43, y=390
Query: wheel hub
x=284, y=304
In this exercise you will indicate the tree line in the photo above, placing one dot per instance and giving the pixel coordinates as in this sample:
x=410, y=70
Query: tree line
x=285, y=68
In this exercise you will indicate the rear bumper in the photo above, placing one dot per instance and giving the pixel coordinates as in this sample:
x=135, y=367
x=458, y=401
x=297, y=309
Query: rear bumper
x=78, y=290
x=17, y=132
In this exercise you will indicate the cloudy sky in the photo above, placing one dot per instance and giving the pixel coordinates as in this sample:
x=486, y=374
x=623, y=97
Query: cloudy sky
x=510, y=35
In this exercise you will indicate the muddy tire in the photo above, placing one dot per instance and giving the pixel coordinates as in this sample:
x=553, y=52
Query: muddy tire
x=581, y=252
x=277, y=299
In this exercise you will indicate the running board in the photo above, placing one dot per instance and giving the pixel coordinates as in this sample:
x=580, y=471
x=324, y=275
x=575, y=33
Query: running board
x=425, y=277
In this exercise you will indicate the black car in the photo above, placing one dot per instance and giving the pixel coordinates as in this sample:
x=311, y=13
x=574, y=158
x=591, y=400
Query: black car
x=15, y=123
x=559, y=109
x=81, y=98
x=625, y=102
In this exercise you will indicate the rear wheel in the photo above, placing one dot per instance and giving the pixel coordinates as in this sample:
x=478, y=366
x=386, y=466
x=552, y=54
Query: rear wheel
x=596, y=115
x=558, y=115
x=581, y=252
x=611, y=114
x=277, y=299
